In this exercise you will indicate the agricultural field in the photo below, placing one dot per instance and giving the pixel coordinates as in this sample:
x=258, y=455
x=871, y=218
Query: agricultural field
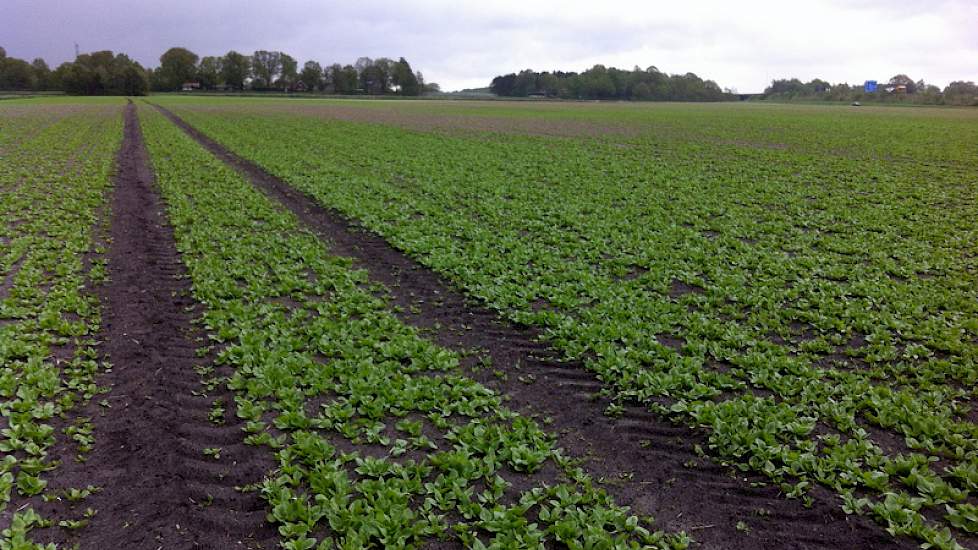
x=797, y=281
x=381, y=324
x=55, y=161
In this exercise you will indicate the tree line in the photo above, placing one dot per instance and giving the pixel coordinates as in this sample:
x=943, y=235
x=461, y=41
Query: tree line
x=98, y=73
x=899, y=88
x=274, y=70
x=105, y=73
x=600, y=82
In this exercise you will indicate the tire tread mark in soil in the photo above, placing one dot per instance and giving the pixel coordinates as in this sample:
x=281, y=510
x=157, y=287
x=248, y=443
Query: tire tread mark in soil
x=158, y=488
x=646, y=458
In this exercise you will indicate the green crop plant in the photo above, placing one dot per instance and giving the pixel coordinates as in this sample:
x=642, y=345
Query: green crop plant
x=800, y=282
x=379, y=438
x=56, y=158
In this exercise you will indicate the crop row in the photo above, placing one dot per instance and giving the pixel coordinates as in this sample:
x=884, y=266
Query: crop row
x=55, y=169
x=379, y=438
x=816, y=312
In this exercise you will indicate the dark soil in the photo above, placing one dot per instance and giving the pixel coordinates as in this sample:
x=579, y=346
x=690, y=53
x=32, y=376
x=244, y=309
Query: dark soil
x=645, y=461
x=158, y=488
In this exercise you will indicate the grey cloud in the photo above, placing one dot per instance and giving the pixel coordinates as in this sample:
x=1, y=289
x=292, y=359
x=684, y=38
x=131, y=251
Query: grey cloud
x=462, y=44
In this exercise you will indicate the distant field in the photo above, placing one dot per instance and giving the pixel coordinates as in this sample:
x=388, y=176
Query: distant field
x=787, y=291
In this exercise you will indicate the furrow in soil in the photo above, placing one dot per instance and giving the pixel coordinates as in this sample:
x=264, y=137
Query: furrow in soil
x=159, y=490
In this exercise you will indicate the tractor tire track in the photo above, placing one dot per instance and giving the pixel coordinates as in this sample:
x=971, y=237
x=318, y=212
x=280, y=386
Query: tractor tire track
x=158, y=489
x=646, y=462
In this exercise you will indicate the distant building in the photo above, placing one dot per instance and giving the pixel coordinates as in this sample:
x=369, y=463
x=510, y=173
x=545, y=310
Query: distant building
x=190, y=86
x=299, y=86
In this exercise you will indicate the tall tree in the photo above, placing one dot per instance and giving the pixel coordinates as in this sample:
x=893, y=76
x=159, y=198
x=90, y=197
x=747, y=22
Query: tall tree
x=375, y=75
x=405, y=79
x=658, y=82
x=425, y=87
x=343, y=78
x=16, y=74
x=266, y=67
x=818, y=86
x=234, y=69
x=79, y=79
x=42, y=74
x=525, y=84
x=641, y=91
x=960, y=92
x=209, y=72
x=289, y=74
x=362, y=63
x=102, y=73
x=549, y=84
x=503, y=85
x=126, y=77
x=177, y=65
x=312, y=76
x=156, y=80
x=600, y=82
x=784, y=86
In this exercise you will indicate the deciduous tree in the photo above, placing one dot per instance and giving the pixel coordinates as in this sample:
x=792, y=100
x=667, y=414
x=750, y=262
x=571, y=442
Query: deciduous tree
x=961, y=93
x=312, y=75
x=405, y=79
x=209, y=72
x=102, y=73
x=42, y=74
x=177, y=66
x=234, y=69
x=266, y=67
x=289, y=74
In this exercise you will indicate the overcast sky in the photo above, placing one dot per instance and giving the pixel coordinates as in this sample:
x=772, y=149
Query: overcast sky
x=739, y=44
